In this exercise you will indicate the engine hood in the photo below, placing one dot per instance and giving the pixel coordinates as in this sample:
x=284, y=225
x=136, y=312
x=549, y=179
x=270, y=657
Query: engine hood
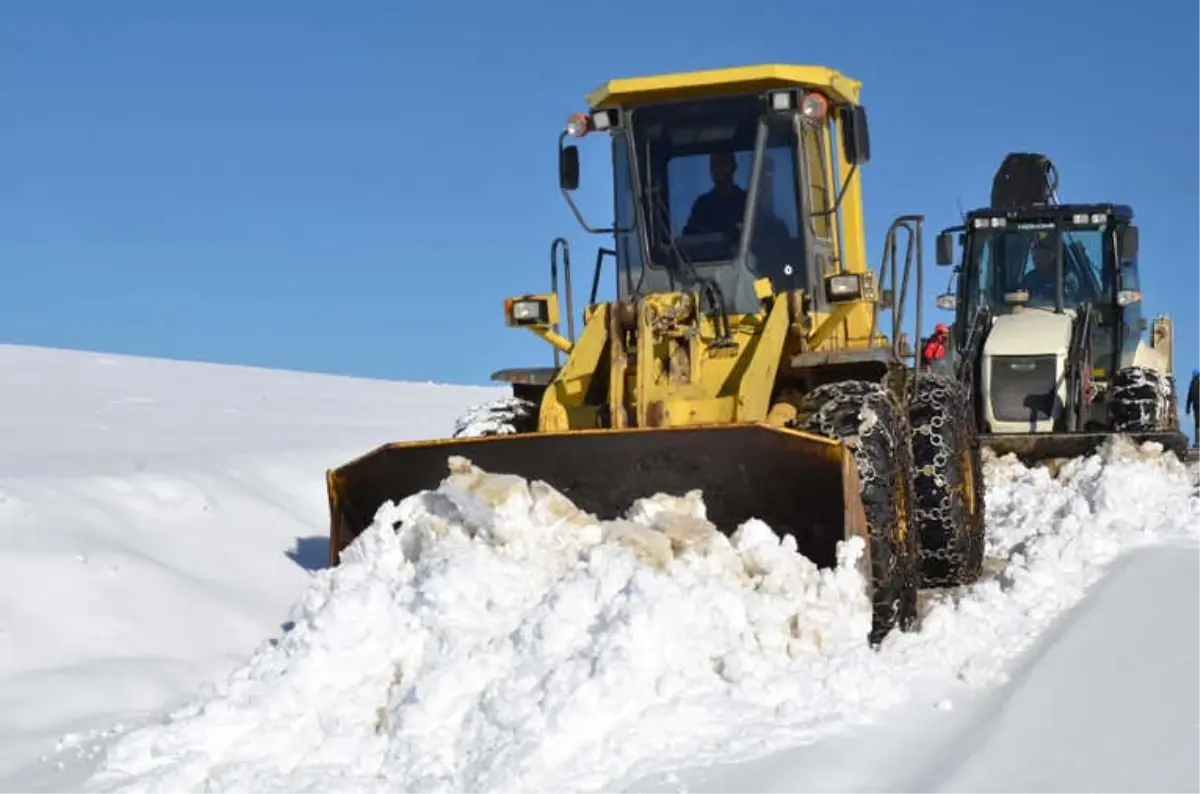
x=1032, y=332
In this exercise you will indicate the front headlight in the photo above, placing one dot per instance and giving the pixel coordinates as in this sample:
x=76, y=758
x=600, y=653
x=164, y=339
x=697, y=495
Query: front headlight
x=845, y=287
x=1128, y=297
x=528, y=311
x=531, y=310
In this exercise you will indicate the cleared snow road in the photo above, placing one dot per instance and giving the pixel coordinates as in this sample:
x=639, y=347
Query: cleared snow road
x=1108, y=701
x=1111, y=705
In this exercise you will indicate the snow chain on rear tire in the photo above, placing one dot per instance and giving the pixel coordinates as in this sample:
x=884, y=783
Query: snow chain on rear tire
x=948, y=515
x=867, y=418
x=1142, y=400
x=506, y=416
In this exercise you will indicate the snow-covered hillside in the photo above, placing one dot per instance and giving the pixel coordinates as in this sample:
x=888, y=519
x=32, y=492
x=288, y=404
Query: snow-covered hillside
x=157, y=519
x=167, y=623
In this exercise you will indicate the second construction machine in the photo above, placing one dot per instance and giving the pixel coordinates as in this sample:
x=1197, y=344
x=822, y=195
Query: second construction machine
x=744, y=353
x=1048, y=332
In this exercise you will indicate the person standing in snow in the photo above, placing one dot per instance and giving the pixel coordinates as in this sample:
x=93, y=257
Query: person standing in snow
x=1193, y=406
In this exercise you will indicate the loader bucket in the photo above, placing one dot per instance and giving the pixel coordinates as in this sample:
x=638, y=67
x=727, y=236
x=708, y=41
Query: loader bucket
x=1032, y=448
x=799, y=484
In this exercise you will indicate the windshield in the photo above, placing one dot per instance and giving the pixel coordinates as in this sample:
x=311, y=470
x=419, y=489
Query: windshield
x=694, y=163
x=1009, y=261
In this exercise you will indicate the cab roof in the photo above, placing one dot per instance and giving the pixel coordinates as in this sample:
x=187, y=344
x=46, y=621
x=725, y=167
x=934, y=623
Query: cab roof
x=626, y=91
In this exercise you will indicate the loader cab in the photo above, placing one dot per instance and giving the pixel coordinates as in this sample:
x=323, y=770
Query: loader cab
x=703, y=188
x=1049, y=259
x=727, y=188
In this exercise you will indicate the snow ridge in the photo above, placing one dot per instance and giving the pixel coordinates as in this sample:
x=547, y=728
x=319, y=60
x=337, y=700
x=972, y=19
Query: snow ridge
x=489, y=635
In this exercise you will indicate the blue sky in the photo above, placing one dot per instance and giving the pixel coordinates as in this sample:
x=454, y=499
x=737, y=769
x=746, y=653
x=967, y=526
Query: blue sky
x=353, y=186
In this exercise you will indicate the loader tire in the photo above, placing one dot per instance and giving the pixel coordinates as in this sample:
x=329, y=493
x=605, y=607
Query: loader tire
x=506, y=416
x=867, y=418
x=948, y=514
x=1142, y=401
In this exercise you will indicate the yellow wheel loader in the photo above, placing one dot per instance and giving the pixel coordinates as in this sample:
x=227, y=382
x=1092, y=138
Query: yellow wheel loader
x=744, y=352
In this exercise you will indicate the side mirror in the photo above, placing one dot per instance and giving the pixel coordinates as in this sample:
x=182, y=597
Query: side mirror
x=945, y=249
x=568, y=167
x=856, y=136
x=1127, y=244
x=947, y=301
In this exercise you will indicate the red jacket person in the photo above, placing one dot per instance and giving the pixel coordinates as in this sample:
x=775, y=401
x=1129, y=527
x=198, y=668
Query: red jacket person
x=937, y=344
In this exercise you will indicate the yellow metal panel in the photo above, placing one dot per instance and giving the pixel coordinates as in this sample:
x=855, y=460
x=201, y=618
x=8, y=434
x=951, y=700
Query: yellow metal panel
x=681, y=378
x=734, y=80
x=763, y=288
x=819, y=198
x=554, y=338
x=617, y=370
x=563, y=403
x=832, y=149
x=667, y=389
x=829, y=326
x=553, y=414
x=688, y=411
x=854, y=246
x=757, y=381
x=648, y=372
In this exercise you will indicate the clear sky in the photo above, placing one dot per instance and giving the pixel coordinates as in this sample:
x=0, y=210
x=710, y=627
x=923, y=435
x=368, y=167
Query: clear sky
x=354, y=186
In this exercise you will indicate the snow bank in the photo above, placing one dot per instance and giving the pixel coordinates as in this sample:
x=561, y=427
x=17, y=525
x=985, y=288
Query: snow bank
x=500, y=639
x=503, y=639
x=1056, y=535
x=157, y=520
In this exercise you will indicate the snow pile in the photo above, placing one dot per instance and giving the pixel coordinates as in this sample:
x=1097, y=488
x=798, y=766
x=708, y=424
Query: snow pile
x=500, y=639
x=1056, y=535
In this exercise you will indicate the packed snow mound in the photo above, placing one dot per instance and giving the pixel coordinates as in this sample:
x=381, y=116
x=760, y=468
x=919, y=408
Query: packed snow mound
x=1057, y=534
x=489, y=635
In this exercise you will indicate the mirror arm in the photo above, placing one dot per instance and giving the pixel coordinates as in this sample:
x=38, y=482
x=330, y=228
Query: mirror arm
x=562, y=136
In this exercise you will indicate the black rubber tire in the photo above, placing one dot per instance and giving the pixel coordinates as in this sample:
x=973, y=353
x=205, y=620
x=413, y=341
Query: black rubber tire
x=506, y=416
x=867, y=418
x=1141, y=401
x=947, y=483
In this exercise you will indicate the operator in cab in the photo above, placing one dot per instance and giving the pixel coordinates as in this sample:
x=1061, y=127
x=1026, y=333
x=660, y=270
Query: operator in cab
x=1041, y=279
x=721, y=208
